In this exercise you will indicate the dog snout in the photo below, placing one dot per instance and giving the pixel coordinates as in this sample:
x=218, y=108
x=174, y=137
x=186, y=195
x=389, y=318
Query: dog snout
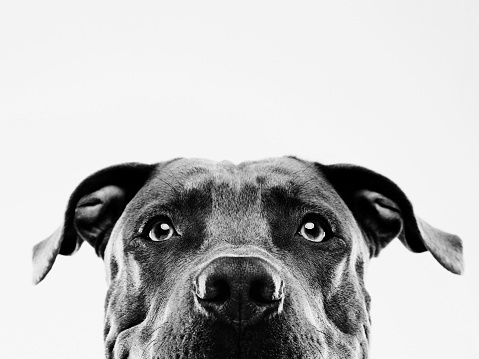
x=240, y=290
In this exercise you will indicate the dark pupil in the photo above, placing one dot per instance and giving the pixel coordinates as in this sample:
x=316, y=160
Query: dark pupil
x=162, y=230
x=312, y=229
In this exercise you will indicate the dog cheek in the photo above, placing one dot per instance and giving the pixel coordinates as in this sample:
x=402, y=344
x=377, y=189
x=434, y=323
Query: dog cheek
x=124, y=311
x=126, y=305
x=346, y=309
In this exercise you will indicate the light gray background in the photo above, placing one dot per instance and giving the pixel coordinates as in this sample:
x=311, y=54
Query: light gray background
x=393, y=86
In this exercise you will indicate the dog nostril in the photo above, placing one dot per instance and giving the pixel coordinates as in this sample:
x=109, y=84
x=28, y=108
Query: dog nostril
x=238, y=289
x=213, y=290
x=266, y=291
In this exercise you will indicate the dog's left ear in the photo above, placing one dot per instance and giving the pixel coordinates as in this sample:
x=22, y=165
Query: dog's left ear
x=384, y=212
x=92, y=211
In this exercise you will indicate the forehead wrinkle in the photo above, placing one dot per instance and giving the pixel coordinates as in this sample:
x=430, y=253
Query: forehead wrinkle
x=295, y=179
x=236, y=215
x=196, y=173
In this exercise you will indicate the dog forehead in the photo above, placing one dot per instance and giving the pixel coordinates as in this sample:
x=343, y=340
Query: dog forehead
x=272, y=184
x=185, y=174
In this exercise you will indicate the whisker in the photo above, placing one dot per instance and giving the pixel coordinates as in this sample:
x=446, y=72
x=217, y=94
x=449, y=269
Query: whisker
x=299, y=172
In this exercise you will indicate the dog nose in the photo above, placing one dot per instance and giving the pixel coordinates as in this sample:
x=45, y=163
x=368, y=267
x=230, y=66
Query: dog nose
x=240, y=289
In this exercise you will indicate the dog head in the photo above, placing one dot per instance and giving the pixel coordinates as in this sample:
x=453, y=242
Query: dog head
x=261, y=260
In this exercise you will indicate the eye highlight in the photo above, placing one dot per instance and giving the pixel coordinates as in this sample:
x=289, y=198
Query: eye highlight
x=161, y=230
x=312, y=230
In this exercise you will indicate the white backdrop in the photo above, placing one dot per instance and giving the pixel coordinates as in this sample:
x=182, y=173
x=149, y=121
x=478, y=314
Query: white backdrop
x=393, y=86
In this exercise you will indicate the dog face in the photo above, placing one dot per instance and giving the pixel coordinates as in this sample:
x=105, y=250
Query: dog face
x=261, y=260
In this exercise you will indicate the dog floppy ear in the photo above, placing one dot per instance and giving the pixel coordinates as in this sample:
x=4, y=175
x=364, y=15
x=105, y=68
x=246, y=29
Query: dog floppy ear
x=92, y=211
x=384, y=212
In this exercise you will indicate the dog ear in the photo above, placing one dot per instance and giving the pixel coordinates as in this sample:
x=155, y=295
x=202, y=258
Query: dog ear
x=92, y=211
x=384, y=212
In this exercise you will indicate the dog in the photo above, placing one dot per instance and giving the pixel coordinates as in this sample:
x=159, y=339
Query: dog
x=264, y=259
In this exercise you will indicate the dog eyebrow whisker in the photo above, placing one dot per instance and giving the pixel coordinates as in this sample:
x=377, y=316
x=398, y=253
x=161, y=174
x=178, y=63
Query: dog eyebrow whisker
x=299, y=172
x=169, y=185
x=303, y=184
x=170, y=174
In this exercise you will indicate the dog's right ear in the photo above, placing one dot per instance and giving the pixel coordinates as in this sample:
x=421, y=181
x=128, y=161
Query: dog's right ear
x=92, y=211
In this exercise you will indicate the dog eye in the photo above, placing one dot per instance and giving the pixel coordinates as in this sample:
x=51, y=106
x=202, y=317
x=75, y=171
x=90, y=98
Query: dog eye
x=312, y=230
x=161, y=231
